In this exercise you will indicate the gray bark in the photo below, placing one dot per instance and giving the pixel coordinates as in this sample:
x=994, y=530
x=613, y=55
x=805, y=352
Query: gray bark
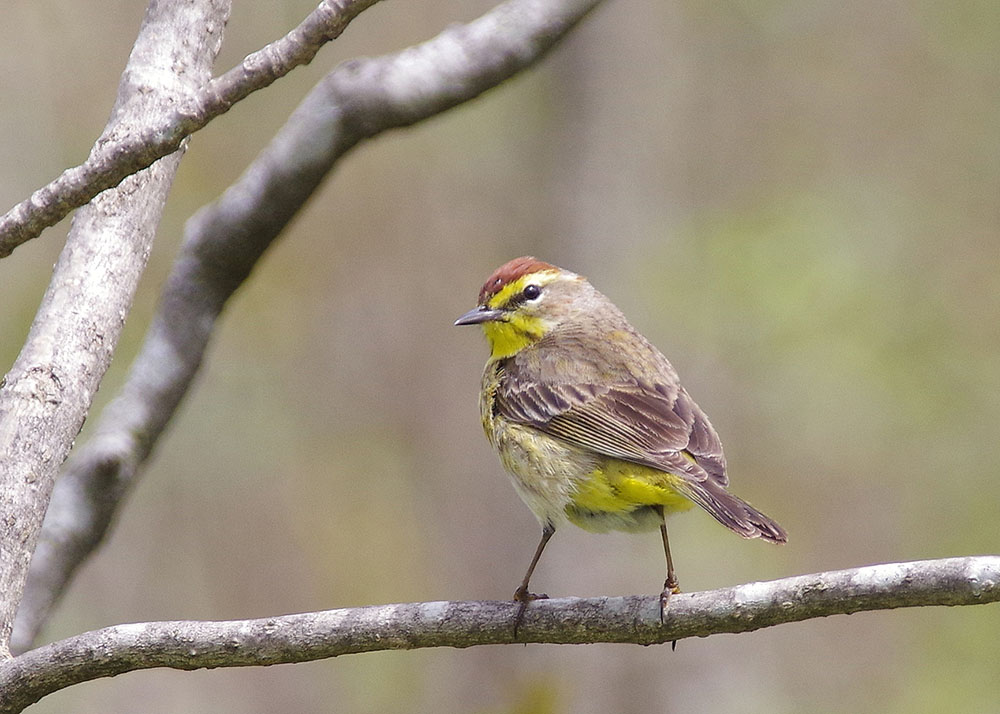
x=117, y=155
x=634, y=619
x=46, y=394
x=225, y=239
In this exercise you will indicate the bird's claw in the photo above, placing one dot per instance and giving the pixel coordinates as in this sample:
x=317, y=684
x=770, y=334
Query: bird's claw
x=522, y=596
x=669, y=588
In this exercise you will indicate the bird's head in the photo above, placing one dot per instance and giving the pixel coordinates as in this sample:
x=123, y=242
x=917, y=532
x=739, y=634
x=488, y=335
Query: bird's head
x=523, y=301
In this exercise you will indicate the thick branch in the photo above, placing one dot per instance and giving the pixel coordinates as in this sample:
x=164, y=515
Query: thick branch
x=225, y=240
x=45, y=396
x=635, y=619
x=118, y=155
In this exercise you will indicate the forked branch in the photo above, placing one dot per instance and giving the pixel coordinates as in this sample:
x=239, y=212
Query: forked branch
x=116, y=157
x=355, y=101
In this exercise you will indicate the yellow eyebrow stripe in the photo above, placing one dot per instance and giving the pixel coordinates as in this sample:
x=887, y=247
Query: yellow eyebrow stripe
x=507, y=293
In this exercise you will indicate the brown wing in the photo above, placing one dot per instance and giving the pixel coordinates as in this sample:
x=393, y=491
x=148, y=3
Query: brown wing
x=657, y=425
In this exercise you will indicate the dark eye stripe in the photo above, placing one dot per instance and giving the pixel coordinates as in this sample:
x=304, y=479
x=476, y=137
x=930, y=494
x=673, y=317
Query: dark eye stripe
x=530, y=292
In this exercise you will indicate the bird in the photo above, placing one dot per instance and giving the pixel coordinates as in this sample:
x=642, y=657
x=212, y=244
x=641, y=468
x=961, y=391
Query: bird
x=590, y=420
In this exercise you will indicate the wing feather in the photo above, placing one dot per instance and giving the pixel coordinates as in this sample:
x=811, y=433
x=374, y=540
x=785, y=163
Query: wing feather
x=654, y=424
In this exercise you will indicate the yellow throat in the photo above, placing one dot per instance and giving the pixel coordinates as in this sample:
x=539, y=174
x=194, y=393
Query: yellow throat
x=521, y=327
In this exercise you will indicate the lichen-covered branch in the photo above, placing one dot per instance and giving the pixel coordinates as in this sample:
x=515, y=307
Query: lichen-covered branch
x=117, y=155
x=225, y=239
x=635, y=619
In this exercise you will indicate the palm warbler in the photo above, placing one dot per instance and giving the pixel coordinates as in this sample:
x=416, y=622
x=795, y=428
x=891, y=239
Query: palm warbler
x=590, y=419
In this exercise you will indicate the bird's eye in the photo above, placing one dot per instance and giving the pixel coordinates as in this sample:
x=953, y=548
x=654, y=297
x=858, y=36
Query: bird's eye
x=531, y=292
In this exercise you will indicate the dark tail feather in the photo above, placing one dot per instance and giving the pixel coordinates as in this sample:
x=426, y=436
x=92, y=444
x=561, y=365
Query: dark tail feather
x=735, y=513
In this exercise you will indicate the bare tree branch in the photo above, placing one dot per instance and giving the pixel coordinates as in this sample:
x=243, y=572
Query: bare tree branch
x=224, y=240
x=46, y=394
x=635, y=619
x=117, y=154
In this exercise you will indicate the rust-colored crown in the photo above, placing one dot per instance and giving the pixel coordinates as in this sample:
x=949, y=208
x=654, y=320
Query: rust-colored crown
x=510, y=271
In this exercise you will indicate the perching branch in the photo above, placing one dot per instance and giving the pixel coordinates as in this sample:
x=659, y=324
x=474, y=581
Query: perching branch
x=635, y=619
x=224, y=241
x=117, y=155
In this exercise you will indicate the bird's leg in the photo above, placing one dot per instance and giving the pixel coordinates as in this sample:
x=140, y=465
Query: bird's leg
x=522, y=595
x=670, y=586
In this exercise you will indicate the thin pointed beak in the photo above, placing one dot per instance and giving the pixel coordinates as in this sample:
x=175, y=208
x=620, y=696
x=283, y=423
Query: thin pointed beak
x=479, y=315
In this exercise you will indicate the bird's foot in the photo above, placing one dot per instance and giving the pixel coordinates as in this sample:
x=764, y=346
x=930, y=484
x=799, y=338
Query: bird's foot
x=670, y=587
x=522, y=596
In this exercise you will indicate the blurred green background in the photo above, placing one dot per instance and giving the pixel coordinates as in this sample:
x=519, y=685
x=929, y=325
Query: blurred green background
x=799, y=202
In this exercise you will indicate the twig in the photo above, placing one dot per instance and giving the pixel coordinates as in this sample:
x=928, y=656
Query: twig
x=116, y=156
